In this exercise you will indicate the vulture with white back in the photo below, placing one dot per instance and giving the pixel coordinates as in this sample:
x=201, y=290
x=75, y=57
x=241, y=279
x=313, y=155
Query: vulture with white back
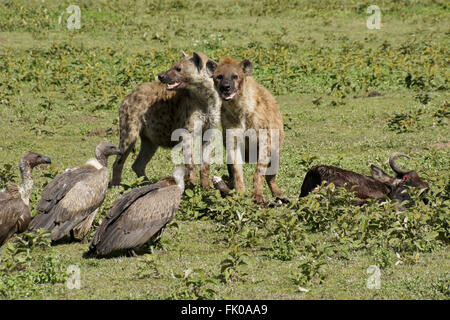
x=15, y=212
x=139, y=216
x=69, y=202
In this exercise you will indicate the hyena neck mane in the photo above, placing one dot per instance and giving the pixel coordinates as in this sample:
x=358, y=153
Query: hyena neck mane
x=206, y=93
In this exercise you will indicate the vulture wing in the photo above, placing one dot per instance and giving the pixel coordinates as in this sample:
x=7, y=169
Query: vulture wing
x=82, y=199
x=12, y=217
x=120, y=205
x=139, y=219
x=70, y=198
x=58, y=187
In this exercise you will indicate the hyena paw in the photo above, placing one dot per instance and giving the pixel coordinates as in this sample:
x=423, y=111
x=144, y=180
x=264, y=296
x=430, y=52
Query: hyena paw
x=206, y=184
x=259, y=199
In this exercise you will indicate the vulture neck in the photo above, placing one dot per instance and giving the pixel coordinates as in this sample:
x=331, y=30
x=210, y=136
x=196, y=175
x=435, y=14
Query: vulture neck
x=27, y=182
x=101, y=158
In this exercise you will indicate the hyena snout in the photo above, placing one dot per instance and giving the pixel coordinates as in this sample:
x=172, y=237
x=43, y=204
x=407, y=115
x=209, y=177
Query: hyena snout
x=163, y=77
x=225, y=87
x=171, y=80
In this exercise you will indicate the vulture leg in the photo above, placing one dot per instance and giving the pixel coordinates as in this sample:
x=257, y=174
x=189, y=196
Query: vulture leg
x=157, y=235
x=146, y=152
x=132, y=253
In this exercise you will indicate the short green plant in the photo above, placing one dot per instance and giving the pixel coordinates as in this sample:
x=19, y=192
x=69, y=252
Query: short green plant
x=382, y=257
x=194, y=286
x=148, y=268
x=408, y=121
x=20, y=248
x=230, y=267
x=7, y=175
x=310, y=269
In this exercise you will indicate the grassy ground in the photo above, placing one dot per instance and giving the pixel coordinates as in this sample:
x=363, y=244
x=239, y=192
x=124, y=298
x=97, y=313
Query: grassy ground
x=60, y=91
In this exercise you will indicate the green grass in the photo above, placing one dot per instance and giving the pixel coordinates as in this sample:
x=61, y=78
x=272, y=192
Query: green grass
x=60, y=91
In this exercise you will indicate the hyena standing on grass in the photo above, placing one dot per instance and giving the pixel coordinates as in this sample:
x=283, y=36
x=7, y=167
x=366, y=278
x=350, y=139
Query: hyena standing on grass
x=185, y=95
x=248, y=105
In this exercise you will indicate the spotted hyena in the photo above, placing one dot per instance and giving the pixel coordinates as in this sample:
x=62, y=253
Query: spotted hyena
x=248, y=105
x=185, y=95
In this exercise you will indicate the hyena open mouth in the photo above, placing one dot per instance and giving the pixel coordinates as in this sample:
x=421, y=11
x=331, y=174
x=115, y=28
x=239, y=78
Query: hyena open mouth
x=171, y=86
x=229, y=97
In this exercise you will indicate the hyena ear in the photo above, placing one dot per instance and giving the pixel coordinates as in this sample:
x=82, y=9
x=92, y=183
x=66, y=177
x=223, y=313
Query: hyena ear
x=380, y=175
x=197, y=61
x=247, y=66
x=184, y=54
x=211, y=66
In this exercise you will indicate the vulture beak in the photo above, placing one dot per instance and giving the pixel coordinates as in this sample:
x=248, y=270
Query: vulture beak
x=119, y=152
x=47, y=160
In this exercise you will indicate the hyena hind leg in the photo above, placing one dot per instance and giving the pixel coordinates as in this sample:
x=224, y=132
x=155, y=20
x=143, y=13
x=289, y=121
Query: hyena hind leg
x=146, y=152
x=119, y=163
x=128, y=136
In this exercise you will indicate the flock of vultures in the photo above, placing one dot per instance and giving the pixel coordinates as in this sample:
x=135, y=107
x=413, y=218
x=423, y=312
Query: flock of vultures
x=69, y=203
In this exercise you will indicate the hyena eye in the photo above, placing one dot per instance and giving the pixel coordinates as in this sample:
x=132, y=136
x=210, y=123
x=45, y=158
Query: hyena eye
x=220, y=77
x=178, y=69
x=234, y=77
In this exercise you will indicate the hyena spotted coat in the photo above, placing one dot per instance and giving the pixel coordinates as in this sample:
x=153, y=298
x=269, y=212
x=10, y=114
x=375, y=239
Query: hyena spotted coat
x=248, y=105
x=184, y=95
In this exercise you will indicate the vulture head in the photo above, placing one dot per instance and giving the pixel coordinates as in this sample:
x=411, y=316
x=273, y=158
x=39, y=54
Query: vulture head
x=104, y=150
x=179, y=174
x=32, y=159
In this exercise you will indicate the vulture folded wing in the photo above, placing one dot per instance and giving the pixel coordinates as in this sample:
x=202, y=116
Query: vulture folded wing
x=10, y=212
x=79, y=202
x=141, y=220
x=54, y=192
x=63, y=183
x=120, y=205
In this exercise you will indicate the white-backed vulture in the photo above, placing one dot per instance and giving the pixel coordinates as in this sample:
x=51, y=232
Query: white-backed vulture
x=15, y=212
x=69, y=202
x=220, y=185
x=140, y=215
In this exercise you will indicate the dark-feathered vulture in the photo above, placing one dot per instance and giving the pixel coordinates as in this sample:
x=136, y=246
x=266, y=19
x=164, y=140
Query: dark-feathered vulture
x=15, y=201
x=69, y=202
x=139, y=215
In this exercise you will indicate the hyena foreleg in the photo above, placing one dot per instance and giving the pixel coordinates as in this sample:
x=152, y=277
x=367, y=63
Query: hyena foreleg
x=272, y=183
x=258, y=182
x=238, y=174
x=206, y=161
